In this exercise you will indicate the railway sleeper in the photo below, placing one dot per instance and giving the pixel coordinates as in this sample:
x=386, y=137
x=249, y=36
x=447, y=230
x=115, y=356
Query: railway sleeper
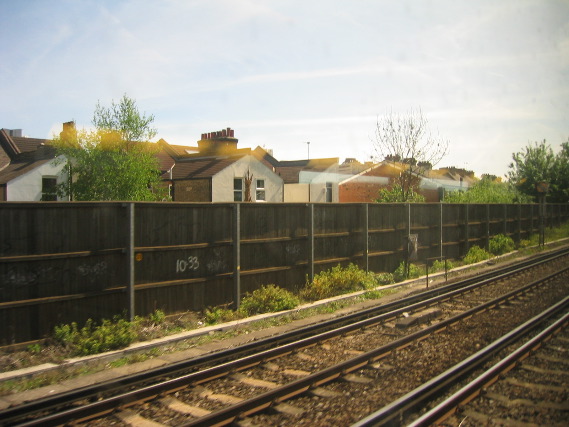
x=419, y=318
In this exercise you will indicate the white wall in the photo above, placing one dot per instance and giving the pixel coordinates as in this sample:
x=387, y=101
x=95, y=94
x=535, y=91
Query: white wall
x=299, y=193
x=27, y=187
x=222, y=183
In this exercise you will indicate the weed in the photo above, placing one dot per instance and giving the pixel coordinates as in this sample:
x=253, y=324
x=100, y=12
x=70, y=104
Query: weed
x=338, y=281
x=213, y=315
x=384, y=278
x=476, y=254
x=400, y=274
x=268, y=299
x=501, y=244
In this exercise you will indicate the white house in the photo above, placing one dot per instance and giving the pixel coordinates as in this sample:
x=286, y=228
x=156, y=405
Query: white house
x=217, y=171
x=28, y=171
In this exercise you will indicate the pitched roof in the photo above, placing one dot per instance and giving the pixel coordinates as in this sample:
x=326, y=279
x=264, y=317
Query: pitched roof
x=20, y=155
x=200, y=168
x=289, y=170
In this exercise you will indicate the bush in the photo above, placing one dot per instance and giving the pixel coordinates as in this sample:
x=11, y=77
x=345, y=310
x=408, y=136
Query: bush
x=476, y=254
x=400, y=273
x=93, y=338
x=215, y=315
x=338, y=281
x=439, y=265
x=384, y=278
x=501, y=244
x=268, y=299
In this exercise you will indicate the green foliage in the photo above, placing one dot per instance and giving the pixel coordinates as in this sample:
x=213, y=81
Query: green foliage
x=476, y=254
x=157, y=317
x=108, y=163
x=537, y=163
x=487, y=191
x=337, y=281
x=34, y=348
x=93, y=338
x=384, y=278
x=397, y=194
x=400, y=274
x=501, y=244
x=268, y=299
x=439, y=265
x=214, y=315
x=125, y=119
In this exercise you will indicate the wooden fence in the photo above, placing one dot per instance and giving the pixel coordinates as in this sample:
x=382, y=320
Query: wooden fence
x=62, y=262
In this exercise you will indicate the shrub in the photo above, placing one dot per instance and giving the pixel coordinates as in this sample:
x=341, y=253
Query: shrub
x=501, y=244
x=384, y=278
x=268, y=299
x=338, y=281
x=215, y=315
x=476, y=254
x=439, y=265
x=93, y=338
x=400, y=273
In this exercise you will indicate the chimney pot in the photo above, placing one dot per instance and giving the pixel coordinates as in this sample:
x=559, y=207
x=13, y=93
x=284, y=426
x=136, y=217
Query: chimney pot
x=224, y=133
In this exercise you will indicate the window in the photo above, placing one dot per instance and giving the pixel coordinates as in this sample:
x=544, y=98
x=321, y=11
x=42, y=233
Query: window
x=238, y=189
x=260, y=190
x=328, y=192
x=49, y=189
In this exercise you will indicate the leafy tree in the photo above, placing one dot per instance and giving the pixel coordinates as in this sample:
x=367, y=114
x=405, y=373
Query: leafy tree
x=395, y=194
x=487, y=190
x=104, y=165
x=537, y=163
x=125, y=119
x=560, y=189
x=406, y=139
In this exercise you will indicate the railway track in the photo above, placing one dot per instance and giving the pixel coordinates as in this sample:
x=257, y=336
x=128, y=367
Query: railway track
x=527, y=387
x=360, y=351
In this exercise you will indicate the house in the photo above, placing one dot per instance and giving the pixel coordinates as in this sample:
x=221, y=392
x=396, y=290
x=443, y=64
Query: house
x=27, y=168
x=217, y=171
x=310, y=180
x=364, y=187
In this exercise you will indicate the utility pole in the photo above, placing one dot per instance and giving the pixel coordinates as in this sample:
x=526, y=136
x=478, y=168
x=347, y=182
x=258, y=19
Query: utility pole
x=308, y=145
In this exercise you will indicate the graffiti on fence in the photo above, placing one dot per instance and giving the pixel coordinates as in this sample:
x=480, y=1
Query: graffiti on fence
x=190, y=263
x=92, y=271
x=217, y=263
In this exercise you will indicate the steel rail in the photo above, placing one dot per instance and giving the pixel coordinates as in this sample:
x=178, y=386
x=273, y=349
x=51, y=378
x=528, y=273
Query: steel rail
x=16, y=413
x=260, y=402
x=277, y=395
x=471, y=390
x=390, y=413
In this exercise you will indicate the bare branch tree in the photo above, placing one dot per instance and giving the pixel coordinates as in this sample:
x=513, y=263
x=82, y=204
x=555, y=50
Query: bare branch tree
x=405, y=140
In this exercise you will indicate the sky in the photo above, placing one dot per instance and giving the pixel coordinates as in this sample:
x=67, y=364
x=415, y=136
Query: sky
x=491, y=77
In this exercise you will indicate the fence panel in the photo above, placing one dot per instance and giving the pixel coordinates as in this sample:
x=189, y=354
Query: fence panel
x=64, y=262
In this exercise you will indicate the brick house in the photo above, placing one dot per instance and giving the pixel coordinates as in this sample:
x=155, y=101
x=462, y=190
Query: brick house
x=364, y=187
x=217, y=171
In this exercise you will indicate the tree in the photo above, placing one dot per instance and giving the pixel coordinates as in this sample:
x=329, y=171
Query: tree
x=535, y=164
x=124, y=118
x=487, y=190
x=560, y=193
x=406, y=139
x=104, y=165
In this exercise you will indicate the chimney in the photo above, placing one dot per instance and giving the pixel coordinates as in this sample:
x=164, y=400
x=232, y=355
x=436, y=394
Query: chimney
x=221, y=142
x=69, y=133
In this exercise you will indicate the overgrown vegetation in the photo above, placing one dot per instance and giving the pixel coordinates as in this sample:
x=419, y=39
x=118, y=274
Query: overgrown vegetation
x=337, y=281
x=501, y=244
x=93, y=338
x=476, y=254
x=268, y=299
x=404, y=272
